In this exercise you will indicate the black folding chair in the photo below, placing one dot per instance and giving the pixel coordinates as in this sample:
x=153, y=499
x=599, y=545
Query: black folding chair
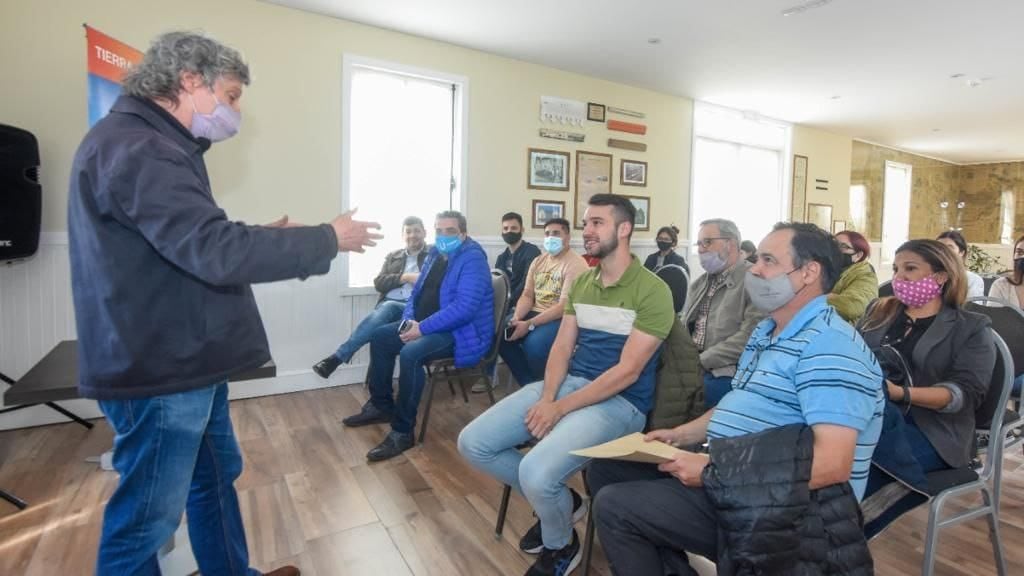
x=444, y=369
x=678, y=282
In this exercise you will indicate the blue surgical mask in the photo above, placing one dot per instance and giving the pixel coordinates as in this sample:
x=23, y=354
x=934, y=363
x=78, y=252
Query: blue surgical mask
x=448, y=244
x=553, y=244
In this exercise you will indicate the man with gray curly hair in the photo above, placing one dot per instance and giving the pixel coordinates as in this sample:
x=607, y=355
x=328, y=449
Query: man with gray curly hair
x=165, y=314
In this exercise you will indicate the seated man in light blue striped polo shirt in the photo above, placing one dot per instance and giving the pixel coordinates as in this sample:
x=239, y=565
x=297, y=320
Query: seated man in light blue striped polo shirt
x=803, y=364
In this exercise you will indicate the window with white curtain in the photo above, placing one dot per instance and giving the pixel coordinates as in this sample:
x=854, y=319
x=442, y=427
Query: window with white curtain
x=402, y=152
x=1007, y=204
x=738, y=170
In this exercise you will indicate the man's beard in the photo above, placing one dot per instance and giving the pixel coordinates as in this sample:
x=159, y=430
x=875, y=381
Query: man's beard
x=604, y=248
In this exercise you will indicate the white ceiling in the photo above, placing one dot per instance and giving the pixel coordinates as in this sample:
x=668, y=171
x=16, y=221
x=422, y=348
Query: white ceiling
x=889, y=61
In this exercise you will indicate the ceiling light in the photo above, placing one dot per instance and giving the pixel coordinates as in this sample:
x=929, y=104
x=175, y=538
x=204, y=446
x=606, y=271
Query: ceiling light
x=957, y=75
x=799, y=8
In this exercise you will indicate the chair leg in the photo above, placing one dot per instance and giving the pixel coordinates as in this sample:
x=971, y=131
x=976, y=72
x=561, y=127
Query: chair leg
x=489, y=381
x=18, y=502
x=993, y=531
x=499, y=527
x=426, y=409
x=588, y=538
x=932, y=535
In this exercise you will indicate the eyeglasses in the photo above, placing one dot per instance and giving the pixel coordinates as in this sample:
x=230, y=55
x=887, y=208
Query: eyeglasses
x=707, y=242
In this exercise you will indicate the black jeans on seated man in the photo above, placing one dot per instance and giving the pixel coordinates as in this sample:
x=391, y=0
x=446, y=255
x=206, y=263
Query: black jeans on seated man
x=646, y=519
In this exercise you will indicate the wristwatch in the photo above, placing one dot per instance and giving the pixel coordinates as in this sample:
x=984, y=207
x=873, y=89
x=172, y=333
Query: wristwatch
x=530, y=327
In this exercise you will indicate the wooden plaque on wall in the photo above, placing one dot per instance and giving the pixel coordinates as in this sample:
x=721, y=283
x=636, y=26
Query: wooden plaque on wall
x=798, y=198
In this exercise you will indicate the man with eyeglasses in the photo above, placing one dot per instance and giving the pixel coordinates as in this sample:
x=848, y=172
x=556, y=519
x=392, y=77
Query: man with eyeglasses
x=718, y=313
x=803, y=365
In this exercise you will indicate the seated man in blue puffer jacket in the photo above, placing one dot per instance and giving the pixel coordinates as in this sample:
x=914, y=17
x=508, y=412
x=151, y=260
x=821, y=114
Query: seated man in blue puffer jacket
x=450, y=313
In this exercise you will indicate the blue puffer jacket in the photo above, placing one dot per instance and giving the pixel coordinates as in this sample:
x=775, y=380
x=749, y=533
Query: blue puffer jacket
x=467, y=302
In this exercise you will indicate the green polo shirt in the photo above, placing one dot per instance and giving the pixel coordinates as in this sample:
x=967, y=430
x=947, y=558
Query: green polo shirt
x=606, y=315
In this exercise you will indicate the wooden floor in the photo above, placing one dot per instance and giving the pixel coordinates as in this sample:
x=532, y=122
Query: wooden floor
x=309, y=498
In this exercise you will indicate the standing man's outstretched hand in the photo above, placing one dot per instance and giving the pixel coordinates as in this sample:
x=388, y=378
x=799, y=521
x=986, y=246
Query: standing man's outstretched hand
x=354, y=235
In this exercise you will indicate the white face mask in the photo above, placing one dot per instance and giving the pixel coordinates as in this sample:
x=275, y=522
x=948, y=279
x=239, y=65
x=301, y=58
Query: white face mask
x=219, y=125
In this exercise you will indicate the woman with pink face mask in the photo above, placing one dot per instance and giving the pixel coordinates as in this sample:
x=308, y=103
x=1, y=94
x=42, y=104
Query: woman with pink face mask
x=937, y=358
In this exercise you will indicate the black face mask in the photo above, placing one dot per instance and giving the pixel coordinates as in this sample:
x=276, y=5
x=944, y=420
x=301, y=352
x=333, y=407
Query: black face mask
x=845, y=261
x=1018, y=264
x=512, y=237
x=662, y=245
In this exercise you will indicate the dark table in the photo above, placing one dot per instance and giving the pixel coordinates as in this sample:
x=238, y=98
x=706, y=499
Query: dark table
x=55, y=378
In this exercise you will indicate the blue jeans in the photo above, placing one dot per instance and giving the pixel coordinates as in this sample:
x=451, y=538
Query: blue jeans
x=528, y=356
x=387, y=311
x=715, y=388
x=489, y=443
x=385, y=346
x=923, y=451
x=1018, y=383
x=173, y=452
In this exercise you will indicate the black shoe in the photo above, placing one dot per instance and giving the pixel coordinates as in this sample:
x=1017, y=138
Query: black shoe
x=558, y=562
x=370, y=414
x=531, y=542
x=326, y=367
x=394, y=444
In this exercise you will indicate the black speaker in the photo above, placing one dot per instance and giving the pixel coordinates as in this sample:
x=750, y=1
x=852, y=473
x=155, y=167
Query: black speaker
x=21, y=197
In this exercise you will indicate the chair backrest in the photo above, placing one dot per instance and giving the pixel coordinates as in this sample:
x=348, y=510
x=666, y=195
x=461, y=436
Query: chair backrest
x=502, y=295
x=678, y=282
x=989, y=281
x=885, y=289
x=1007, y=321
x=989, y=416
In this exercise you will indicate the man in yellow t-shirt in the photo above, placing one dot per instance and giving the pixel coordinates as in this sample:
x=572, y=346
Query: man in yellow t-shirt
x=538, y=314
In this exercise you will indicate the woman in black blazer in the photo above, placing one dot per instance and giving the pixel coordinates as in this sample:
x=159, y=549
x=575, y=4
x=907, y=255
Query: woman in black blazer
x=946, y=353
x=667, y=239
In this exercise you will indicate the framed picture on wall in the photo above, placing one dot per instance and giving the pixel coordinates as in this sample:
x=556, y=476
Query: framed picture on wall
x=820, y=215
x=632, y=173
x=593, y=176
x=547, y=170
x=545, y=210
x=798, y=198
x=838, y=226
x=643, y=211
x=595, y=112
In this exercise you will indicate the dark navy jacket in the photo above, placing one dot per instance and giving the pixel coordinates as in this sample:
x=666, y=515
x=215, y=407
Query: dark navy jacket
x=160, y=277
x=467, y=302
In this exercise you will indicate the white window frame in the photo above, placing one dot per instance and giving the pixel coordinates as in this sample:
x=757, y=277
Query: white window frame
x=460, y=134
x=786, y=172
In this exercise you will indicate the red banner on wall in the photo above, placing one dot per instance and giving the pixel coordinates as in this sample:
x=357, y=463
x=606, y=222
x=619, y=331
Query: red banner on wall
x=109, y=58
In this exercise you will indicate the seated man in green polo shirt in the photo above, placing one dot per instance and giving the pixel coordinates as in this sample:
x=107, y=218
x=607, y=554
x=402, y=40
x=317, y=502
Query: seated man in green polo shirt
x=598, y=386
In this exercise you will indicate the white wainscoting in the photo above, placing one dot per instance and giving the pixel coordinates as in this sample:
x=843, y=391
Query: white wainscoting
x=305, y=321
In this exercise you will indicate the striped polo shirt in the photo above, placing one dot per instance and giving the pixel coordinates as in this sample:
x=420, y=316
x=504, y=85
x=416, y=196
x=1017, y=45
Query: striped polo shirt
x=817, y=371
x=606, y=315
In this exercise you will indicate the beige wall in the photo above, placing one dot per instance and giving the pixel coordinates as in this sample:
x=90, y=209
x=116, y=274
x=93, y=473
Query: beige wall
x=287, y=157
x=828, y=158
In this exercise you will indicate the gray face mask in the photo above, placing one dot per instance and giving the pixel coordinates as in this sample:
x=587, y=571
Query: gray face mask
x=713, y=262
x=770, y=294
